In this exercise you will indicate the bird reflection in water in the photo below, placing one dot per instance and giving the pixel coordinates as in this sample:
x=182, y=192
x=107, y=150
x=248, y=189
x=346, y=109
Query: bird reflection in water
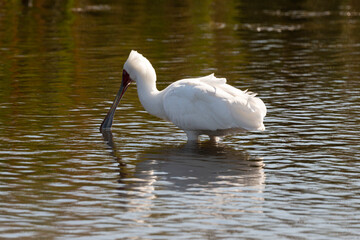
x=200, y=177
x=108, y=138
x=185, y=166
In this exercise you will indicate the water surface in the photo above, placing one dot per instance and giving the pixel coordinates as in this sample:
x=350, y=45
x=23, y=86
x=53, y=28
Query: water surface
x=60, y=68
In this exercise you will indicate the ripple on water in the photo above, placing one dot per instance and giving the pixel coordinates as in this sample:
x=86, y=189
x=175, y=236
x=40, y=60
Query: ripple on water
x=61, y=178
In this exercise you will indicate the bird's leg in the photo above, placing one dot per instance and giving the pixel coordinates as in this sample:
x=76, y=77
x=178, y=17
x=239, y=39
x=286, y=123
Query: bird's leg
x=192, y=136
x=214, y=139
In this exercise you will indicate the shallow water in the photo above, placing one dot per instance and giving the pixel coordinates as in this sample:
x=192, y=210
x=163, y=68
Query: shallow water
x=60, y=68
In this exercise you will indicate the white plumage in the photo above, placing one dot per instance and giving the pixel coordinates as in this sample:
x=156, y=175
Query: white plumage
x=204, y=105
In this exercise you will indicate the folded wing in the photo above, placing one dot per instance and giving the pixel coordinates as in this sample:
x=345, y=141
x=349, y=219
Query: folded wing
x=208, y=103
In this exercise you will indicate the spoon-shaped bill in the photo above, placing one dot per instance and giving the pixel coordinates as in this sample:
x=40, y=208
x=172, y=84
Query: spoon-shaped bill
x=108, y=120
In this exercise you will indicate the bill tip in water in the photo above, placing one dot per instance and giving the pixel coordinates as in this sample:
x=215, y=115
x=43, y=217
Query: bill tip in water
x=106, y=125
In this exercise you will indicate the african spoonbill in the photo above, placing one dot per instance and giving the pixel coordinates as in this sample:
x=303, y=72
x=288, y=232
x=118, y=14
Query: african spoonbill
x=199, y=106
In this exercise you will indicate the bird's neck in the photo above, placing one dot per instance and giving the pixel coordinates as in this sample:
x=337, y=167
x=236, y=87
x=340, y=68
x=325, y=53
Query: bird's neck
x=150, y=97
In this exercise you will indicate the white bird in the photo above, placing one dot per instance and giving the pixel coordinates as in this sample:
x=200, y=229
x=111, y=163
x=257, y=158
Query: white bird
x=204, y=105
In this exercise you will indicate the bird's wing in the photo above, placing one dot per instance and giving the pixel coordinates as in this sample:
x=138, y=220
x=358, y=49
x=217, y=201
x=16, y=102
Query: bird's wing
x=211, y=79
x=247, y=110
x=208, y=103
x=194, y=105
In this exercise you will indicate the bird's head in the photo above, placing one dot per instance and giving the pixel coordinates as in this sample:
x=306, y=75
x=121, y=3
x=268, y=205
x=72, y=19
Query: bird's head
x=136, y=68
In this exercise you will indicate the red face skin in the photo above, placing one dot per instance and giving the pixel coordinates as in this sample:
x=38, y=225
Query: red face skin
x=126, y=80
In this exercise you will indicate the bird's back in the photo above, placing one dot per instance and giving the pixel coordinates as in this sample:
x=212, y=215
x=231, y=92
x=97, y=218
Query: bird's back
x=209, y=104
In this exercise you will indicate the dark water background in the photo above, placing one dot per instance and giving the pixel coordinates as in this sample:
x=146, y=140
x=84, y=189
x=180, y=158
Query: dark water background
x=60, y=68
